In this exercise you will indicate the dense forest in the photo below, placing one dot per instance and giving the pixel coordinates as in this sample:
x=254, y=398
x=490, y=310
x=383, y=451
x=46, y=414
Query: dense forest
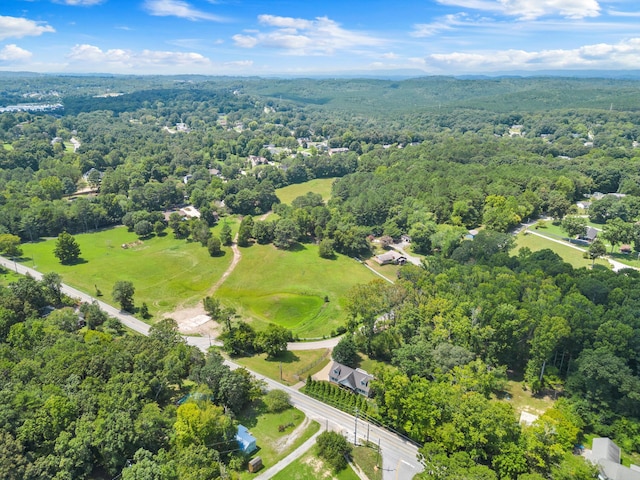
x=428, y=157
x=84, y=401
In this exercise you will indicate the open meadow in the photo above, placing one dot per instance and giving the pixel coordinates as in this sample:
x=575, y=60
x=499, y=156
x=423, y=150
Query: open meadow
x=165, y=272
x=290, y=288
x=318, y=185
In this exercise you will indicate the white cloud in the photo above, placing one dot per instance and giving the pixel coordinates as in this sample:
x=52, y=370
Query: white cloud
x=389, y=55
x=239, y=63
x=618, y=13
x=80, y=3
x=297, y=36
x=623, y=55
x=92, y=57
x=14, y=27
x=245, y=41
x=448, y=22
x=13, y=53
x=532, y=9
x=178, y=8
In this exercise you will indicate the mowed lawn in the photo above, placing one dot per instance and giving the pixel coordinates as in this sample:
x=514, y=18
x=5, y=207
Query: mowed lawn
x=273, y=444
x=568, y=254
x=165, y=272
x=8, y=276
x=289, y=288
x=310, y=466
x=318, y=185
x=286, y=367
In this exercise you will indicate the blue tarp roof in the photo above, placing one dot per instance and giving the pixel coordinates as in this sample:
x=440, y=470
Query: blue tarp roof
x=246, y=441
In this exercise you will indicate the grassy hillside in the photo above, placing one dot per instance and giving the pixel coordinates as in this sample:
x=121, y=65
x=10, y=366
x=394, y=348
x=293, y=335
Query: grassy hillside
x=165, y=272
x=318, y=185
x=289, y=288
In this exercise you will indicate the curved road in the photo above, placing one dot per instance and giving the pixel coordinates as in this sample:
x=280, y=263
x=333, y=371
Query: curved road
x=399, y=456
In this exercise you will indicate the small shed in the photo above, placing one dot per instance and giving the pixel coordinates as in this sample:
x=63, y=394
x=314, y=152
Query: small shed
x=246, y=441
x=255, y=464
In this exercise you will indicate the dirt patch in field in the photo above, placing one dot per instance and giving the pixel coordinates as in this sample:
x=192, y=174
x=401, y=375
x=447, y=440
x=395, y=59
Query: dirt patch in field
x=195, y=320
x=288, y=440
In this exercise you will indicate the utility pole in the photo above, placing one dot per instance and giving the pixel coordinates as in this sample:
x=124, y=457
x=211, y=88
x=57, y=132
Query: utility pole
x=355, y=430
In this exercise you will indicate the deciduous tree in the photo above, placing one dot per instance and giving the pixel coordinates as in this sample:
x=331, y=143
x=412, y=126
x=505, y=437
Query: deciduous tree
x=66, y=249
x=122, y=293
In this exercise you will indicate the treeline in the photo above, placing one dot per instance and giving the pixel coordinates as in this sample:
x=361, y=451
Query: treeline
x=83, y=398
x=404, y=172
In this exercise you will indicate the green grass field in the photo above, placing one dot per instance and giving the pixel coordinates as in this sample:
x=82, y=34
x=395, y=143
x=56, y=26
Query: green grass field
x=272, y=444
x=568, y=254
x=555, y=231
x=291, y=363
x=309, y=466
x=289, y=288
x=165, y=272
x=522, y=400
x=318, y=185
x=367, y=458
x=8, y=276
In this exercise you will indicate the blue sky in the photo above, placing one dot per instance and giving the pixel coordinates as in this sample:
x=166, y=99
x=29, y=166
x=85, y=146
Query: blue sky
x=286, y=37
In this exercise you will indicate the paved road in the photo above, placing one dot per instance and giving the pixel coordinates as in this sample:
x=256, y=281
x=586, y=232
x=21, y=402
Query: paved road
x=399, y=456
x=328, y=343
x=400, y=247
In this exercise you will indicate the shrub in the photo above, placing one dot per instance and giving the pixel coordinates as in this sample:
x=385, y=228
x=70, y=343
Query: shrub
x=333, y=449
x=276, y=401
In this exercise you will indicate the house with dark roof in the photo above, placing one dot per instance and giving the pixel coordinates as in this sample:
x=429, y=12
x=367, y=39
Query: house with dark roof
x=391, y=257
x=606, y=456
x=354, y=379
x=591, y=234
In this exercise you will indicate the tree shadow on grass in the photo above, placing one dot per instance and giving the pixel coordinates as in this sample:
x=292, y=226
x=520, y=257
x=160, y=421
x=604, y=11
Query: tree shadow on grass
x=77, y=261
x=285, y=357
x=249, y=416
x=297, y=247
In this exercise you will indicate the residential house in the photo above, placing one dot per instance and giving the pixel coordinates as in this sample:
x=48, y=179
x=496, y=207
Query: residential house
x=591, y=234
x=256, y=160
x=338, y=150
x=605, y=454
x=356, y=380
x=392, y=257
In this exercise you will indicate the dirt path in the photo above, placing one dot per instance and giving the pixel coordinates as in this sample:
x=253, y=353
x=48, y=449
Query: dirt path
x=194, y=320
x=237, y=256
x=287, y=441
